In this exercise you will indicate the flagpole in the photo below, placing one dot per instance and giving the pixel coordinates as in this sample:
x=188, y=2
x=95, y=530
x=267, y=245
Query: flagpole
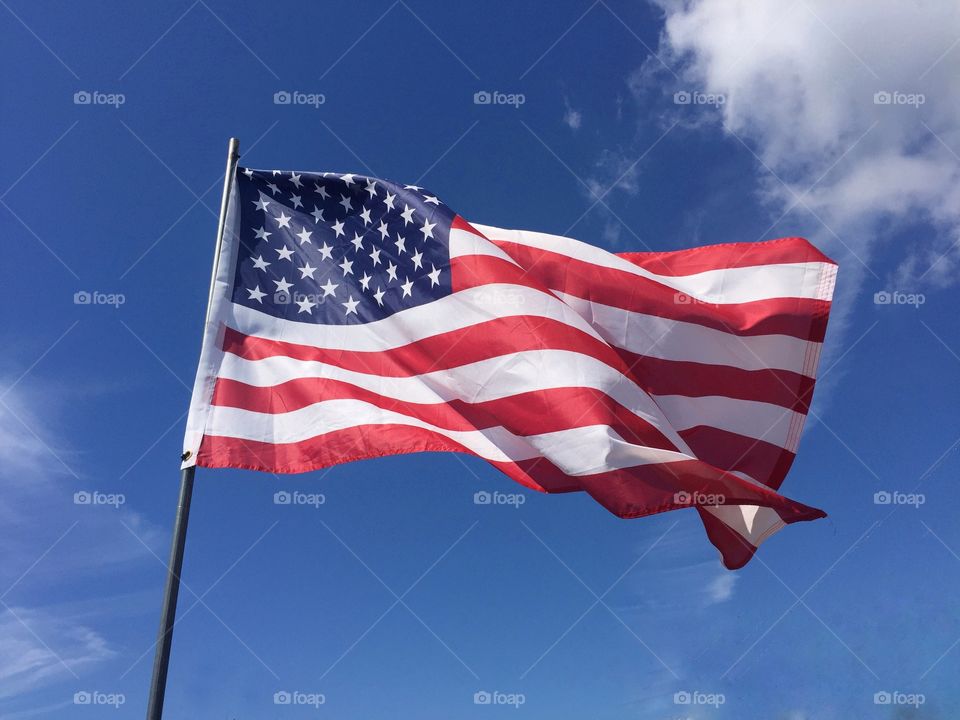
x=168, y=612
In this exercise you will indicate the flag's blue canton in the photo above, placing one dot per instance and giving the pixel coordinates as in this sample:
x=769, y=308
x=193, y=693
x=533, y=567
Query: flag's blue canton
x=338, y=249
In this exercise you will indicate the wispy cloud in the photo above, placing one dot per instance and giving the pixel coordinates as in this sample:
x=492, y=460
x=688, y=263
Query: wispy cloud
x=48, y=540
x=38, y=648
x=851, y=112
x=720, y=589
x=572, y=118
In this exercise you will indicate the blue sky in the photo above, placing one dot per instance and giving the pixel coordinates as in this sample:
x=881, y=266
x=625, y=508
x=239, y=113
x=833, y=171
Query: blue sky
x=398, y=595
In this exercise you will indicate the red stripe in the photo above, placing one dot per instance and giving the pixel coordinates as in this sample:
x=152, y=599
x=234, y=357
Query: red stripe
x=633, y=492
x=482, y=341
x=469, y=271
x=529, y=413
x=730, y=255
x=460, y=224
x=798, y=317
x=764, y=462
x=674, y=377
x=735, y=551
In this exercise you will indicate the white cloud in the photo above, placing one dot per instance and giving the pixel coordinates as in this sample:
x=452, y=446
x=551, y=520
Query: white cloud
x=720, y=589
x=37, y=648
x=800, y=82
x=572, y=118
x=51, y=547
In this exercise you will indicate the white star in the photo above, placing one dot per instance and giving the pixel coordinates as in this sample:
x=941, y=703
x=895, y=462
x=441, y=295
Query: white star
x=365, y=281
x=248, y=172
x=282, y=285
x=296, y=200
x=273, y=188
x=372, y=187
x=379, y=296
x=400, y=244
x=304, y=235
x=325, y=251
x=348, y=179
x=321, y=190
x=431, y=199
x=434, y=276
x=275, y=172
x=295, y=180
x=357, y=241
x=351, y=305
x=262, y=233
x=347, y=267
x=307, y=271
x=284, y=220
x=427, y=229
x=285, y=253
x=306, y=305
x=328, y=289
x=262, y=202
x=391, y=272
x=256, y=294
x=317, y=214
x=407, y=215
x=375, y=256
x=346, y=203
x=366, y=216
x=411, y=187
x=407, y=287
x=417, y=257
x=260, y=263
x=383, y=230
x=338, y=228
x=388, y=200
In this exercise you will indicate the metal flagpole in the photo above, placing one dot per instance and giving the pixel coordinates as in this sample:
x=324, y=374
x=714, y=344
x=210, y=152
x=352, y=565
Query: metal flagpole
x=168, y=612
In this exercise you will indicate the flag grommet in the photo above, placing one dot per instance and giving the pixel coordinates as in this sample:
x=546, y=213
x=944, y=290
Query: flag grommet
x=186, y=455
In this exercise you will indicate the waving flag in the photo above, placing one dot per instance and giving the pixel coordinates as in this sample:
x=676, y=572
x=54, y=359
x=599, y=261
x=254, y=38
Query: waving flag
x=354, y=317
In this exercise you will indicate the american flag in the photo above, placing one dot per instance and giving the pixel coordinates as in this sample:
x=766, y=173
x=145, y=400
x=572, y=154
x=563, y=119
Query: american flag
x=355, y=317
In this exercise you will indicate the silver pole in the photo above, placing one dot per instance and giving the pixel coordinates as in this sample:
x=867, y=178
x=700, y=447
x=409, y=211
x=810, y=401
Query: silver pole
x=168, y=612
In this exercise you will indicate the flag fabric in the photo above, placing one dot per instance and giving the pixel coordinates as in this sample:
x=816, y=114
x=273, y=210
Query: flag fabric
x=354, y=317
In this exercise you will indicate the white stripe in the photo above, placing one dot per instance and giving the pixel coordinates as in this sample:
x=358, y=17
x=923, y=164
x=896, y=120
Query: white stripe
x=668, y=339
x=477, y=382
x=752, y=522
x=758, y=420
x=721, y=286
x=577, y=451
x=463, y=242
x=453, y=312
